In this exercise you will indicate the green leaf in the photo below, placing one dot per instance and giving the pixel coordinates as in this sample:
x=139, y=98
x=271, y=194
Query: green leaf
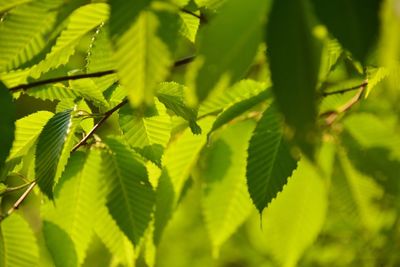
x=89, y=90
x=270, y=162
x=77, y=199
x=294, y=219
x=294, y=61
x=239, y=108
x=141, y=57
x=114, y=239
x=358, y=26
x=81, y=22
x=52, y=150
x=131, y=198
x=32, y=22
x=52, y=92
x=226, y=55
x=6, y=4
x=226, y=201
x=7, y=123
x=189, y=26
x=142, y=131
x=178, y=160
x=27, y=131
x=18, y=247
x=100, y=57
x=60, y=245
x=172, y=95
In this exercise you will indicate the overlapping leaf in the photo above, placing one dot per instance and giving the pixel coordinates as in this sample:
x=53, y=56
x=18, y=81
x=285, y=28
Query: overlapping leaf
x=172, y=95
x=18, y=247
x=27, y=131
x=358, y=26
x=225, y=55
x=52, y=150
x=32, y=22
x=291, y=47
x=130, y=198
x=81, y=21
x=269, y=162
x=226, y=201
x=142, y=59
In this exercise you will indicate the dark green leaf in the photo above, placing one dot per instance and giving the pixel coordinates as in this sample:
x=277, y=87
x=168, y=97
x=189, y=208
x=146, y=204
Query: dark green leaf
x=355, y=23
x=51, y=143
x=7, y=123
x=269, y=162
x=294, y=61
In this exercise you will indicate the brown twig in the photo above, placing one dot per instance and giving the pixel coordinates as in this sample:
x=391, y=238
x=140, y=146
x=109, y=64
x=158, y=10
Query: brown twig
x=201, y=17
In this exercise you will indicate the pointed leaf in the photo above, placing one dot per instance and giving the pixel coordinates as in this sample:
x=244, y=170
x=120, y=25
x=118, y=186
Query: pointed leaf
x=7, y=123
x=131, y=198
x=172, y=95
x=27, y=130
x=81, y=22
x=141, y=57
x=52, y=142
x=18, y=247
x=294, y=61
x=269, y=162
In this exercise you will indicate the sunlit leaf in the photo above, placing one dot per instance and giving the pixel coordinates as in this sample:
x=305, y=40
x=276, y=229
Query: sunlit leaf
x=130, y=198
x=18, y=247
x=226, y=201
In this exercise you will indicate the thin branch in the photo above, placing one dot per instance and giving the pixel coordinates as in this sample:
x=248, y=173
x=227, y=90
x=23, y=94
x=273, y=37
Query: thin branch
x=342, y=91
x=107, y=114
x=16, y=188
x=184, y=61
x=61, y=79
x=332, y=115
x=18, y=202
x=99, y=74
x=201, y=17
